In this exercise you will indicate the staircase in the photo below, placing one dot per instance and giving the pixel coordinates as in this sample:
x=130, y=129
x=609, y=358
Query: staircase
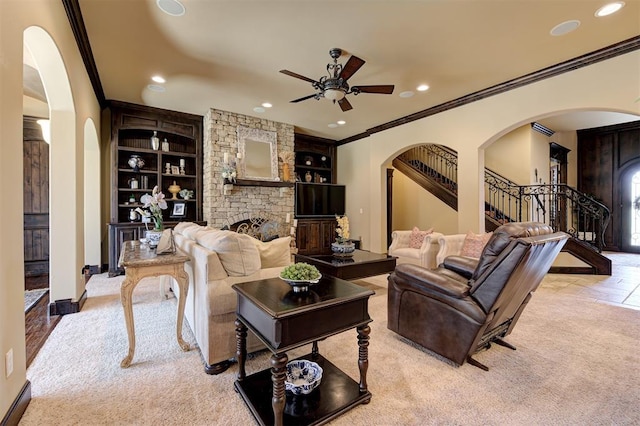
x=564, y=208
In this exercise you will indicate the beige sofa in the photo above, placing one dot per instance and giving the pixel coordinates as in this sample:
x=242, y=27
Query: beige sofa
x=424, y=256
x=220, y=259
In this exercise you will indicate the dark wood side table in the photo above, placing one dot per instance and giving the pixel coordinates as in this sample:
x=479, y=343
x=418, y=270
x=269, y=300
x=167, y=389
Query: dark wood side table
x=362, y=264
x=285, y=320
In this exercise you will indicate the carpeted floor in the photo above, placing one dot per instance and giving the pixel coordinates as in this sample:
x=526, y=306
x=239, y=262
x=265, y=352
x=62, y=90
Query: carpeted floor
x=576, y=364
x=31, y=297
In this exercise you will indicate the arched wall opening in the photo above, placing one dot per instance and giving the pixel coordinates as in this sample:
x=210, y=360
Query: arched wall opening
x=536, y=158
x=92, y=249
x=65, y=243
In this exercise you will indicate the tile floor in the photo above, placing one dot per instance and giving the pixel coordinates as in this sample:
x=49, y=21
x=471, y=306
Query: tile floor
x=622, y=288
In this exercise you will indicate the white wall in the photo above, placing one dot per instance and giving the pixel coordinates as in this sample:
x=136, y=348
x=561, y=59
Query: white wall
x=469, y=130
x=15, y=17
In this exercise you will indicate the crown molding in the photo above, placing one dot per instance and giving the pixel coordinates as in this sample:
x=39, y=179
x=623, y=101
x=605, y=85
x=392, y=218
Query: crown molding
x=603, y=54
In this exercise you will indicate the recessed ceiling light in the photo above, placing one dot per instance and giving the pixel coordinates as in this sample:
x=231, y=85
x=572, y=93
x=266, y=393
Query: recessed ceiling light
x=156, y=88
x=259, y=109
x=341, y=122
x=406, y=94
x=610, y=8
x=422, y=88
x=565, y=27
x=266, y=105
x=158, y=79
x=171, y=7
x=333, y=125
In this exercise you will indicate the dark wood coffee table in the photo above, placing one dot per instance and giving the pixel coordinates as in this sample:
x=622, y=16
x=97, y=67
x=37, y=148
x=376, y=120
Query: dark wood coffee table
x=285, y=320
x=362, y=264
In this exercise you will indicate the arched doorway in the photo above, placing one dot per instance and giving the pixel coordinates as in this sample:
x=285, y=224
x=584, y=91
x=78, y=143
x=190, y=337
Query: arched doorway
x=65, y=247
x=92, y=252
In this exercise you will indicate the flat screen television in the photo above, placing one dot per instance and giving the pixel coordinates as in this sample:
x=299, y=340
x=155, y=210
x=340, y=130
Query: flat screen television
x=319, y=199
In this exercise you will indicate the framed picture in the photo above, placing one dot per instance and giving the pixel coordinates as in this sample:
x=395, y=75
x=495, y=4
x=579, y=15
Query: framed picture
x=179, y=210
x=175, y=170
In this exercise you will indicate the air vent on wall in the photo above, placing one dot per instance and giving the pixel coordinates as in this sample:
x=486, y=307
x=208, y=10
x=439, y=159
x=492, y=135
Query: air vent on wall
x=540, y=128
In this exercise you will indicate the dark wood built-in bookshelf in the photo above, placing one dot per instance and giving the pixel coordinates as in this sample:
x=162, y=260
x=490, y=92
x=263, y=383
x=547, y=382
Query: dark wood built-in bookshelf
x=131, y=129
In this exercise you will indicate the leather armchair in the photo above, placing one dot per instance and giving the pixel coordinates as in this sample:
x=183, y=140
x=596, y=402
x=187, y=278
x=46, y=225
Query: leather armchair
x=466, y=304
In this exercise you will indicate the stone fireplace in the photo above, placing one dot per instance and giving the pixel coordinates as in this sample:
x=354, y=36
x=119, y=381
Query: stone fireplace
x=220, y=136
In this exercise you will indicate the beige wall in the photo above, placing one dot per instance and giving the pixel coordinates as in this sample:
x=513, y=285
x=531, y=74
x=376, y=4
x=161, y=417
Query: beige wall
x=472, y=128
x=507, y=155
x=15, y=17
x=415, y=206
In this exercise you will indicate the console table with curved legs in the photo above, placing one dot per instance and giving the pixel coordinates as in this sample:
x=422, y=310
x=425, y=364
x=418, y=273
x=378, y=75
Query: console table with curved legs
x=139, y=261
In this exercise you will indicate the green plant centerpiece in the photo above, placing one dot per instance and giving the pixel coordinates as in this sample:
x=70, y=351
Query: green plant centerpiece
x=300, y=275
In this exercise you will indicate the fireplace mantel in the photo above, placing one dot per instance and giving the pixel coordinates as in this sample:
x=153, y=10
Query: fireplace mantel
x=252, y=182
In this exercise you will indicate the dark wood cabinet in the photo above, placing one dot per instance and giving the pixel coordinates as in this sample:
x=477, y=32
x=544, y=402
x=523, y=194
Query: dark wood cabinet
x=315, y=158
x=137, y=166
x=314, y=236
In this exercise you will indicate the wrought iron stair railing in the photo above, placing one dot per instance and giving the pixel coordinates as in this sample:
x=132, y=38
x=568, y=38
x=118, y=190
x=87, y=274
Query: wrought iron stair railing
x=561, y=206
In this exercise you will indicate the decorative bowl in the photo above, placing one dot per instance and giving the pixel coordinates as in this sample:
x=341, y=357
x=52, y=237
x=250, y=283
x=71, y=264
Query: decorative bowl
x=302, y=376
x=343, y=249
x=301, y=285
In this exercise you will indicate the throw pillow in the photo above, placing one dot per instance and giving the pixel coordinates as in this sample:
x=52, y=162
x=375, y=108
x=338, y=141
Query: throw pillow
x=276, y=252
x=237, y=252
x=474, y=243
x=417, y=237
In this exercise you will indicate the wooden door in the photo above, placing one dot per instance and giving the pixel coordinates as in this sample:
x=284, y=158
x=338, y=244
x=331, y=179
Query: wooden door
x=630, y=210
x=35, y=200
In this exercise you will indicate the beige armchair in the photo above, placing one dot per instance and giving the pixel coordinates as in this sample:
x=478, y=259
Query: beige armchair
x=449, y=245
x=424, y=256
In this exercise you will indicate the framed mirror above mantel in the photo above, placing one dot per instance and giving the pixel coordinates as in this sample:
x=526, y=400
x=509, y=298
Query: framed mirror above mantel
x=259, y=155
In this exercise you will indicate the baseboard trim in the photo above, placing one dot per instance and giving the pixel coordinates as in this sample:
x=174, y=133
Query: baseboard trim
x=66, y=306
x=19, y=406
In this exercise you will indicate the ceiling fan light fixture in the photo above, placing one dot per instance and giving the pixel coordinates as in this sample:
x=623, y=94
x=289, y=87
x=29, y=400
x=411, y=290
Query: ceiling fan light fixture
x=334, y=94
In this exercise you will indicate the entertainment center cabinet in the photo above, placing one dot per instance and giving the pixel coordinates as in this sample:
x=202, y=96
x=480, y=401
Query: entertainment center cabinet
x=131, y=128
x=315, y=157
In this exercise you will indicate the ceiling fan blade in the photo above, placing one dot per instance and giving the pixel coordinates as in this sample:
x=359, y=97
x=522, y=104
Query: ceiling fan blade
x=304, y=98
x=353, y=64
x=301, y=77
x=382, y=89
x=344, y=104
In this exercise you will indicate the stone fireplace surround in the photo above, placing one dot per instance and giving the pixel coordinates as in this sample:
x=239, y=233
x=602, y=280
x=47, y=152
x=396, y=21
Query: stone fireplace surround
x=220, y=136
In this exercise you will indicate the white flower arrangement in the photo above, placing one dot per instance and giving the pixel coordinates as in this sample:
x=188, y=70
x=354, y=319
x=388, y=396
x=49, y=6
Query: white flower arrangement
x=155, y=203
x=342, y=229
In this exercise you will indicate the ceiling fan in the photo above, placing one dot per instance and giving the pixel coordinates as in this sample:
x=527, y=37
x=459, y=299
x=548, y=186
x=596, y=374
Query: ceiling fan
x=335, y=86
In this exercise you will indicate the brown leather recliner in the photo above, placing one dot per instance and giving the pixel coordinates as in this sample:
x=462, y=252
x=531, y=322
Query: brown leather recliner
x=466, y=304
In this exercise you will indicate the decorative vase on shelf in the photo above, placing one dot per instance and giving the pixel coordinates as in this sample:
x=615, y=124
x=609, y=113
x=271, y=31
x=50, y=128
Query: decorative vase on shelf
x=308, y=177
x=135, y=162
x=165, y=145
x=174, y=190
x=153, y=237
x=155, y=141
x=343, y=249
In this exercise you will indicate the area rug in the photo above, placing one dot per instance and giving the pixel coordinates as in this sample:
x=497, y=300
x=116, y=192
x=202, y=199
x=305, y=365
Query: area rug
x=31, y=297
x=576, y=364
